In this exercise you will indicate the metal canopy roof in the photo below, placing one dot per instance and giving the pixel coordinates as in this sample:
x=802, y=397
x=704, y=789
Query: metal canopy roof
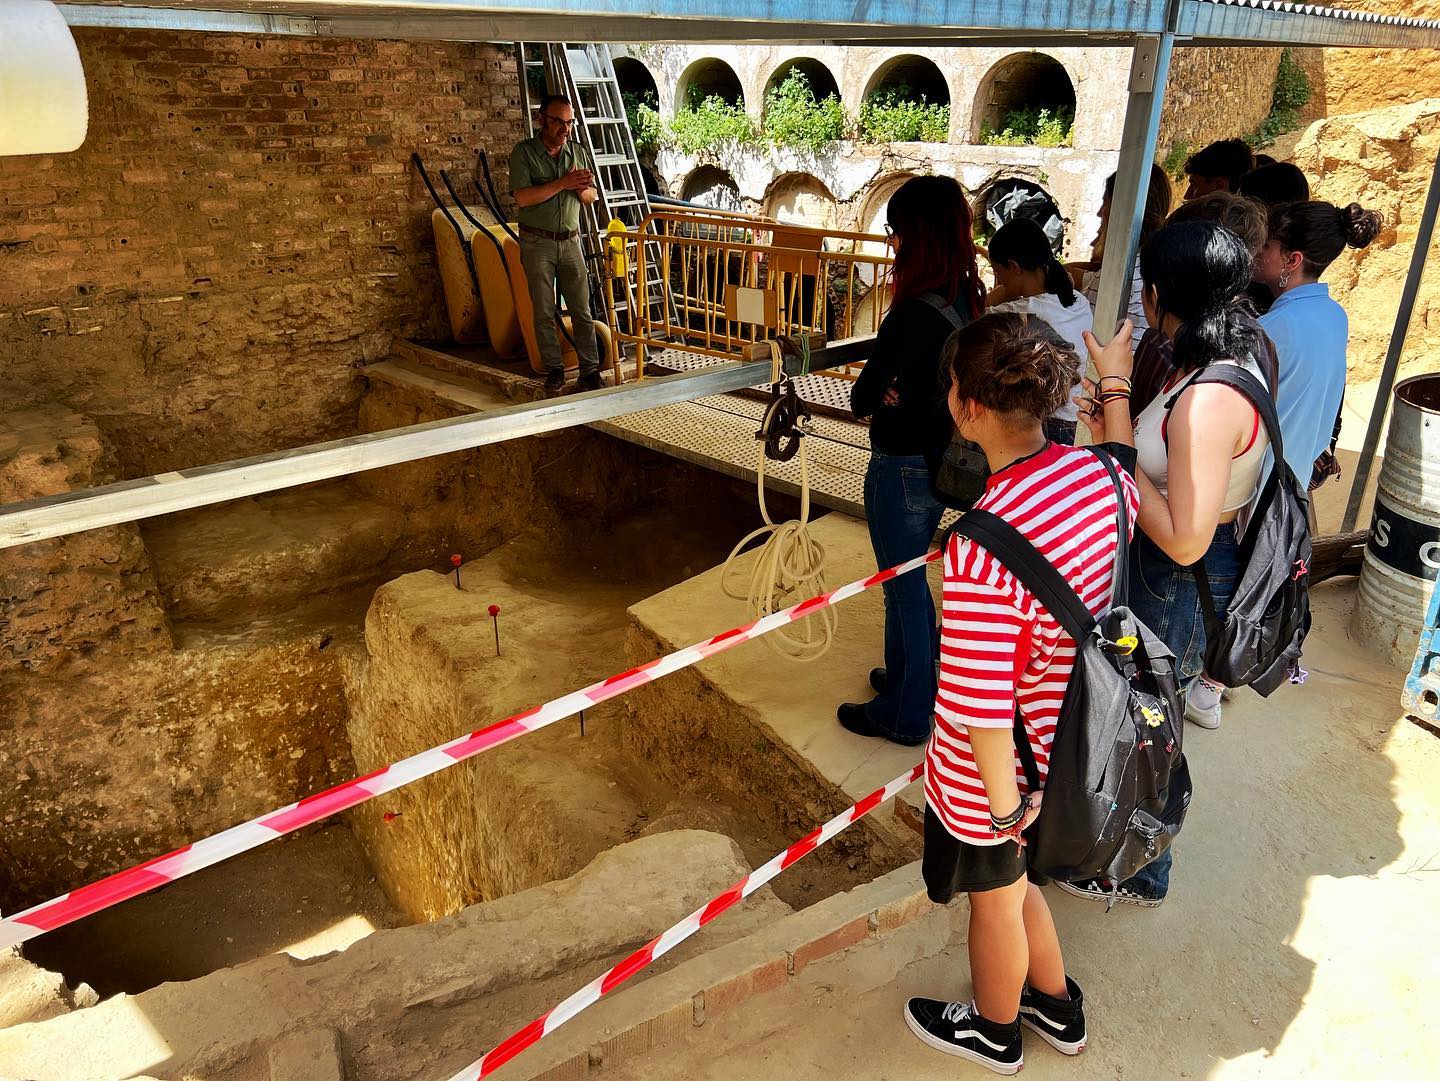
x=1035, y=22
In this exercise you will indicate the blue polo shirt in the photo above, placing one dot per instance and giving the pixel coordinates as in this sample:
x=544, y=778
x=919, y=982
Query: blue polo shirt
x=1310, y=332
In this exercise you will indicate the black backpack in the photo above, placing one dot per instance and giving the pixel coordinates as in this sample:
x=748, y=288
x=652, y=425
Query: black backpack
x=1118, y=786
x=1258, y=643
x=960, y=474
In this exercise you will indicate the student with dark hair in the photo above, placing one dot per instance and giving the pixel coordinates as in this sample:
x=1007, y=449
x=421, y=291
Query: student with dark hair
x=1200, y=460
x=1006, y=661
x=937, y=289
x=1086, y=276
x=1031, y=280
x=1247, y=220
x=1218, y=167
x=1275, y=184
x=1263, y=159
x=1310, y=331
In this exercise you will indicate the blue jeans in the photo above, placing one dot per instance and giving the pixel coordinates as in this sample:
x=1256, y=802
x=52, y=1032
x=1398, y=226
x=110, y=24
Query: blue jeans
x=1164, y=598
x=903, y=514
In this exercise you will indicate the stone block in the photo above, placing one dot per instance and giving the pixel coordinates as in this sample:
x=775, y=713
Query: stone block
x=311, y=1055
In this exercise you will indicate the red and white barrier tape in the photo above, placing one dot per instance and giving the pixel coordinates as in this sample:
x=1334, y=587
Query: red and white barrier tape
x=121, y=886
x=605, y=983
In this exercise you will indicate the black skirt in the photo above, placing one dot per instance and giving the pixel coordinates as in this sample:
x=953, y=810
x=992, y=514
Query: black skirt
x=950, y=865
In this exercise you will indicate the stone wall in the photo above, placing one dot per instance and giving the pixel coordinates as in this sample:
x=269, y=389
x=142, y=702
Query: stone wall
x=90, y=594
x=1215, y=94
x=241, y=228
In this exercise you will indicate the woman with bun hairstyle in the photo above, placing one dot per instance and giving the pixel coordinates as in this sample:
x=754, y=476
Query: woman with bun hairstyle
x=1310, y=331
x=937, y=289
x=1002, y=653
x=1200, y=460
x=1028, y=278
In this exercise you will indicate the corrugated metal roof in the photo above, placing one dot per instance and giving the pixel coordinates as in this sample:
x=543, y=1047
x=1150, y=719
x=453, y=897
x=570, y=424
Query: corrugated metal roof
x=1074, y=22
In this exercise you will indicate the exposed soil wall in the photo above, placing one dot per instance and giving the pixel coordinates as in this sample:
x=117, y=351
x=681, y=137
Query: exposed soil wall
x=702, y=742
x=516, y=817
x=104, y=769
x=1354, y=80
x=240, y=229
x=1382, y=160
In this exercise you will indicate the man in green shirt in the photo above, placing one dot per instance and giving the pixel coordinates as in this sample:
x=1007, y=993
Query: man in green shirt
x=550, y=177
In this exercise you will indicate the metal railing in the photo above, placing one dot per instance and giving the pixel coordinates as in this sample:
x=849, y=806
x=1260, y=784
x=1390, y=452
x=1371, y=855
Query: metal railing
x=737, y=279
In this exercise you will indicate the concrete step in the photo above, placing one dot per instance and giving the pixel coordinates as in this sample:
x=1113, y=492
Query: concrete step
x=251, y=556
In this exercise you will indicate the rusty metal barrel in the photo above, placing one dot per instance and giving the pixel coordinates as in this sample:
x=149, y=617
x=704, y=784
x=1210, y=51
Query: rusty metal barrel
x=1402, y=555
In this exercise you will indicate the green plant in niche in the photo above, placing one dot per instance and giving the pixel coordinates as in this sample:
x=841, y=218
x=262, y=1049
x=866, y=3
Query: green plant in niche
x=1292, y=93
x=706, y=122
x=897, y=115
x=1033, y=125
x=642, y=111
x=793, y=118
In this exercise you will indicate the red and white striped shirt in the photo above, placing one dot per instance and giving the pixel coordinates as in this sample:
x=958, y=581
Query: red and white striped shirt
x=999, y=649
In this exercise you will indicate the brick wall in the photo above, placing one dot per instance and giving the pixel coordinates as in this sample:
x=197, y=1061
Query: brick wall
x=241, y=228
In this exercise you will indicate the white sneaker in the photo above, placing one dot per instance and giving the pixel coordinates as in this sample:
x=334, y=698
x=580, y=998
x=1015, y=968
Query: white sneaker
x=1205, y=718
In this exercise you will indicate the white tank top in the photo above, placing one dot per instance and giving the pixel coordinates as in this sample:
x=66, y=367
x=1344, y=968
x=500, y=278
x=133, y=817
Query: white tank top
x=1154, y=459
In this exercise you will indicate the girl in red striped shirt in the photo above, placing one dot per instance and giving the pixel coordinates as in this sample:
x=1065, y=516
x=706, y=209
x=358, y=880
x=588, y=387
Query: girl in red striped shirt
x=1001, y=652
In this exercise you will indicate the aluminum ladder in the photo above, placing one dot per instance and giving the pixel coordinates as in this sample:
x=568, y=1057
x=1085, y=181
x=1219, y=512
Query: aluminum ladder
x=585, y=73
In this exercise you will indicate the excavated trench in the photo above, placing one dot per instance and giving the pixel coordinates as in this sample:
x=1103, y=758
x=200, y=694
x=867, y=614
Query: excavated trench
x=320, y=633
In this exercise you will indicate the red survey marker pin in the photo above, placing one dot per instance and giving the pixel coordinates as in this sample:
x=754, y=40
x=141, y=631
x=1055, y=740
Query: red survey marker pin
x=455, y=562
x=495, y=618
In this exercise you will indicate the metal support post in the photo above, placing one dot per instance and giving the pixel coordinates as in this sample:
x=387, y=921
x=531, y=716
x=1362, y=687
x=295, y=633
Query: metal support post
x=1381, y=409
x=1149, y=70
x=131, y=500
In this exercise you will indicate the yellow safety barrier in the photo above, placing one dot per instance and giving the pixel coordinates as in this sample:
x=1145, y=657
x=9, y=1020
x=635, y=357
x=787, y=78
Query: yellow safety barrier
x=729, y=281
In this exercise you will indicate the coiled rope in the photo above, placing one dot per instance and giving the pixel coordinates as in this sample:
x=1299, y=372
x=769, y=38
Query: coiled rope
x=789, y=564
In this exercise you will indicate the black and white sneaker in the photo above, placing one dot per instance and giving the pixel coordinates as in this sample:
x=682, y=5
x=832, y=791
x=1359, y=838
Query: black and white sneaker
x=958, y=1029
x=1105, y=891
x=1060, y=1022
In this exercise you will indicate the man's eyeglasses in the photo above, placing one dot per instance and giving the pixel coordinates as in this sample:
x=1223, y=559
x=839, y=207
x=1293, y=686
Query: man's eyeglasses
x=566, y=124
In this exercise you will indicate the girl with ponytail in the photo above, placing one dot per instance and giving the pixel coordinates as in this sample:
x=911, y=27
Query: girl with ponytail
x=1310, y=331
x=1030, y=280
x=1200, y=450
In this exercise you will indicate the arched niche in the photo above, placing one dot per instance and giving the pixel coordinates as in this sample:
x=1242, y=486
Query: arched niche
x=1020, y=81
x=708, y=77
x=712, y=187
x=822, y=82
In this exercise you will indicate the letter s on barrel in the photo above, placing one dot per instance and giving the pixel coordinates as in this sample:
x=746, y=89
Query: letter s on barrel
x=1409, y=546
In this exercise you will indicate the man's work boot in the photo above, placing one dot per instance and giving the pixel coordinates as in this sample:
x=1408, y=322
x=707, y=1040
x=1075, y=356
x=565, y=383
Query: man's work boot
x=589, y=382
x=555, y=382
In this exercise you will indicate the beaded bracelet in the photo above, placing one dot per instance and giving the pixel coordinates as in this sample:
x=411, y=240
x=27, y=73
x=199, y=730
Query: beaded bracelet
x=1123, y=378
x=1011, y=822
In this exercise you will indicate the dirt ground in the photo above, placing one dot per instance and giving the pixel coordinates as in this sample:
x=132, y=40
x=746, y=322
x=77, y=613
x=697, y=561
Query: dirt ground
x=314, y=892
x=305, y=895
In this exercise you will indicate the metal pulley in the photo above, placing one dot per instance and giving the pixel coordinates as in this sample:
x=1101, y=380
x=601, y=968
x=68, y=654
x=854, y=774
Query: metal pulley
x=784, y=423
